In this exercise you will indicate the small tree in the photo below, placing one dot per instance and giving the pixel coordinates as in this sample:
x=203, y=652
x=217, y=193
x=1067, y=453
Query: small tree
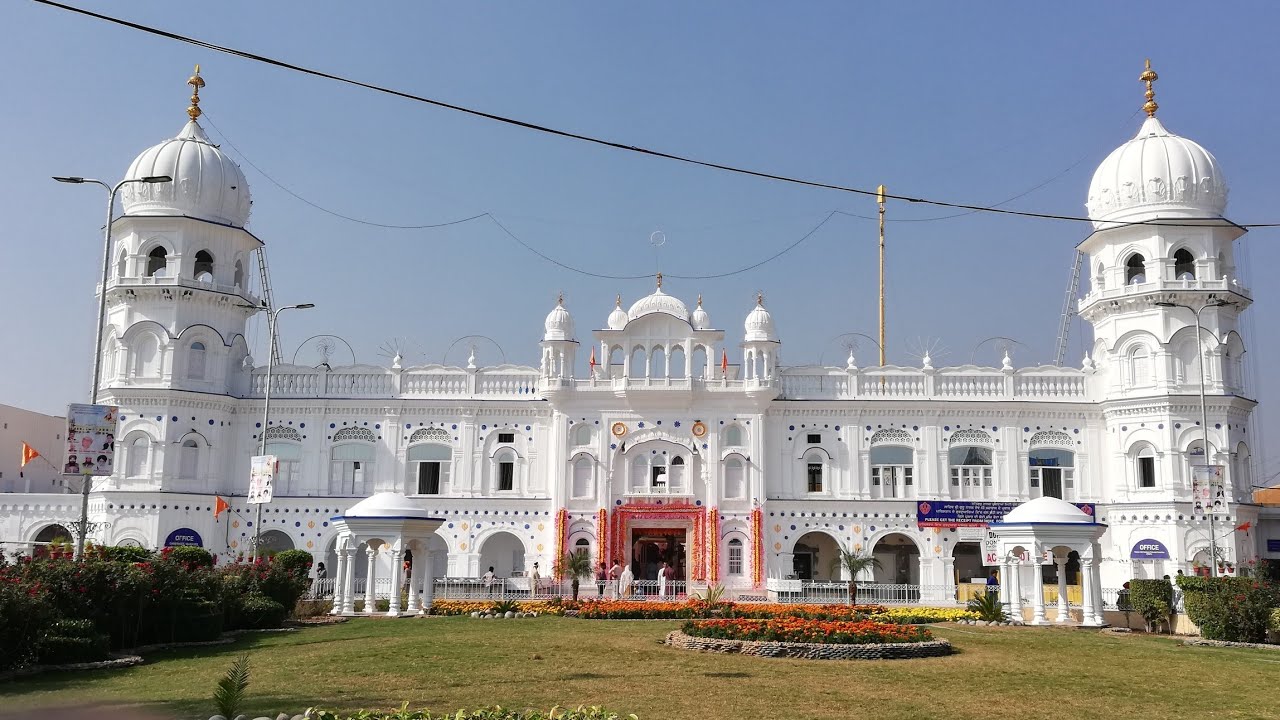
x=854, y=563
x=575, y=565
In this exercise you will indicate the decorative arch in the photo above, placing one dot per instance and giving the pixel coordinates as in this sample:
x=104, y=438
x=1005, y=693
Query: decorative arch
x=734, y=435
x=892, y=436
x=431, y=435
x=1135, y=269
x=348, y=434
x=502, y=550
x=157, y=261
x=970, y=436
x=735, y=467
x=1184, y=265
x=283, y=432
x=1051, y=438
x=1142, y=457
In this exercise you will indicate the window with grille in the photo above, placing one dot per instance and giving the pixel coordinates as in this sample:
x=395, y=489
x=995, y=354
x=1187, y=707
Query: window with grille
x=815, y=438
x=735, y=557
x=506, y=437
x=814, y=474
x=971, y=475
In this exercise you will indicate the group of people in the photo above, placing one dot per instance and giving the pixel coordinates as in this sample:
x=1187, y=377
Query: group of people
x=621, y=582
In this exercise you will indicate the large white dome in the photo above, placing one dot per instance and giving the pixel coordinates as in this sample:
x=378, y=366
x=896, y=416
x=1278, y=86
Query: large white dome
x=387, y=505
x=207, y=184
x=1046, y=510
x=559, y=323
x=1156, y=175
x=658, y=302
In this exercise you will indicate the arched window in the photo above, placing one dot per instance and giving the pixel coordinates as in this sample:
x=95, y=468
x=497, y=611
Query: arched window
x=286, y=444
x=1242, y=472
x=190, y=459
x=892, y=468
x=1184, y=265
x=735, y=479
x=204, y=267
x=1135, y=270
x=733, y=436
x=638, y=366
x=735, y=557
x=195, y=361
x=238, y=279
x=110, y=355
x=1144, y=465
x=1140, y=367
x=431, y=465
x=970, y=459
x=658, y=362
x=582, y=434
x=677, y=474
x=505, y=470
x=351, y=462
x=582, y=477
x=138, y=460
x=122, y=264
x=814, y=470
x=146, y=356
x=640, y=474
x=157, y=261
x=677, y=360
x=1100, y=277
x=1052, y=465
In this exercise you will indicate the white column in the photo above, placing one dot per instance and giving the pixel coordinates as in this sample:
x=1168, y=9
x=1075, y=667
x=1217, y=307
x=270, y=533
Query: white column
x=370, y=599
x=397, y=572
x=1090, y=615
x=1063, y=614
x=428, y=581
x=349, y=580
x=1004, y=582
x=415, y=576
x=338, y=580
x=1037, y=595
x=1015, y=589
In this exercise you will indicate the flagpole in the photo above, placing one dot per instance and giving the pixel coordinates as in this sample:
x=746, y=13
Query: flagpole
x=880, y=202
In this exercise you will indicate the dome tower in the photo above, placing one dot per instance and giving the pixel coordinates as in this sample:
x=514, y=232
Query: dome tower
x=559, y=348
x=760, y=344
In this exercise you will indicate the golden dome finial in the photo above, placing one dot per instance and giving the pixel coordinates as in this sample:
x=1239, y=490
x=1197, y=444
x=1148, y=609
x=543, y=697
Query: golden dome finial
x=1149, y=77
x=659, y=281
x=699, y=299
x=760, y=298
x=560, y=299
x=617, y=301
x=196, y=82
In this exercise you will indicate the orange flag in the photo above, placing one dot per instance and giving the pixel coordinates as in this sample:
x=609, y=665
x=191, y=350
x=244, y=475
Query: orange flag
x=28, y=454
x=1244, y=526
x=220, y=506
x=593, y=360
x=724, y=362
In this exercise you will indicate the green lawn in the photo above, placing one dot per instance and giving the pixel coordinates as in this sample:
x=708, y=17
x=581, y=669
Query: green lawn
x=449, y=663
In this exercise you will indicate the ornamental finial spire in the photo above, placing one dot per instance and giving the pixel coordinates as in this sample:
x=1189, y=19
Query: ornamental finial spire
x=699, y=299
x=196, y=82
x=1149, y=77
x=659, y=281
x=617, y=301
x=560, y=299
x=760, y=299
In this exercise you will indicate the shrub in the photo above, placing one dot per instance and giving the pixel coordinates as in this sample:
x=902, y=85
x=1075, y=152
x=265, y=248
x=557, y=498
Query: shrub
x=125, y=553
x=72, y=641
x=1153, y=600
x=230, y=692
x=24, y=613
x=1269, y=570
x=192, y=557
x=502, y=607
x=294, y=562
x=312, y=608
x=257, y=612
x=837, y=632
x=987, y=607
x=1230, y=608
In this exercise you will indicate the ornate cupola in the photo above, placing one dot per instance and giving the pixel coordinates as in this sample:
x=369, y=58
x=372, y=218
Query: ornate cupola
x=559, y=349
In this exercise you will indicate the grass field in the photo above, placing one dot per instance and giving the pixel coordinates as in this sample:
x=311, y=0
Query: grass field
x=449, y=663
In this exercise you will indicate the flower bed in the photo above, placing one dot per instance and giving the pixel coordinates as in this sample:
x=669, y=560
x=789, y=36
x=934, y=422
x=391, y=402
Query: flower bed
x=466, y=607
x=799, y=630
x=923, y=615
x=649, y=610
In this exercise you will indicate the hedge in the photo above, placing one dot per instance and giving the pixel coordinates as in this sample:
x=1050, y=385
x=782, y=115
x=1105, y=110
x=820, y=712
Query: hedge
x=1234, y=609
x=1152, y=599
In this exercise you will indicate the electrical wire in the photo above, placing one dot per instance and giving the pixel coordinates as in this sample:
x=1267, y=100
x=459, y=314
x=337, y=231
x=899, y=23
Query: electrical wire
x=595, y=140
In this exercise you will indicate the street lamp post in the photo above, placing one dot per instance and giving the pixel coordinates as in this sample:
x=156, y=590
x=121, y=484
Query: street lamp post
x=102, y=312
x=1204, y=414
x=266, y=407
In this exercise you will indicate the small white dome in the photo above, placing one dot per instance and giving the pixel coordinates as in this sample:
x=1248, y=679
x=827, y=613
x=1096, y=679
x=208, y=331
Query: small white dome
x=700, y=319
x=207, y=183
x=559, y=324
x=387, y=505
x=618, y=318
x=658, y=302
x=1046, y=510
x=759, y=324
x=1156, y=174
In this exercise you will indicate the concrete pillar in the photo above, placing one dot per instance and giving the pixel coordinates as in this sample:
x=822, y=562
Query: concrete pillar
x=339, y=574
x=1090, y=614
x=415, y=577
x=397, y=575
x=349, y=580
x=370, y=579
x=1037, y=595
x=1015, y=589
x=428, y=577
x=1063, y=609
x=1004, y=582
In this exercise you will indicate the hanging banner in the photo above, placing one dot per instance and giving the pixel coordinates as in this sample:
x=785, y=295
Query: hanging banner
x=1208, y=495
x=1149, y=549
x=91, y=439
x=990, y=555
x=262, y=475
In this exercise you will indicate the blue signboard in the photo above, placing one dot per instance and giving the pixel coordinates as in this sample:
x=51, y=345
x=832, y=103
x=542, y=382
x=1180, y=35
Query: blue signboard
x=968, y=513
x=1273, y=546
x=183, y=537
x=1149, y=550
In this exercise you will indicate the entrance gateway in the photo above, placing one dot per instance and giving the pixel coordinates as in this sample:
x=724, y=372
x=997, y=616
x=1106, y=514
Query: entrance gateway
x=651, y=546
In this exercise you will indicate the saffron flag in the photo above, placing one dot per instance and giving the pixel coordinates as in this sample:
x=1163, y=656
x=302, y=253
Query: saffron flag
x=592, y=362
x=1244, y=526
x=28, y=454
x=724, y=362
x=220, y=506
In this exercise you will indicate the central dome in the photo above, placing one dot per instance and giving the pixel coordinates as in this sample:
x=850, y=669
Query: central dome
x=658, y=302
x=207, y=183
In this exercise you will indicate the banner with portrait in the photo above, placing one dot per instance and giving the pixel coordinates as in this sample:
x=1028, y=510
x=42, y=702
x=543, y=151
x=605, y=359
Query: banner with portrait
x=262, y=475
x=1208, y=492
x=91, y=439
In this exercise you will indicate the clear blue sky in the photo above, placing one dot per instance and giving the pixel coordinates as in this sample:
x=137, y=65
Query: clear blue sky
x=972, y=102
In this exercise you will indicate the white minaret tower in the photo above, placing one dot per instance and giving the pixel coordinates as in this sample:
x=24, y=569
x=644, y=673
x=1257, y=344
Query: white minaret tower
x=177, y=302
x=559, y=349
x=1160, y=257
x=759, y=345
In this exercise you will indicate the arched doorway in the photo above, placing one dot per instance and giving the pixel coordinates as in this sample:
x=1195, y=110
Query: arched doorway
x=970, y=575
x=899, y=560
x=816, y=556
x=272, y=542
x=53, y=535
x=504, y=553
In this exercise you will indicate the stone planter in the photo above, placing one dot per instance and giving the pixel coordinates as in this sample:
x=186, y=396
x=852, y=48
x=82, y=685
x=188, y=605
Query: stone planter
x=811, y=651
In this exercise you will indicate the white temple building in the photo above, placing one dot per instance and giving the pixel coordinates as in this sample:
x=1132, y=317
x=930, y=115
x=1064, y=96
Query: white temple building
x=688, y=440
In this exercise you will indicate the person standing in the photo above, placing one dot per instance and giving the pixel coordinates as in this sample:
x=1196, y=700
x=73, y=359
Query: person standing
x=993, y=584
x=488, y=579
x=626, y=581
x=534, y=578
x=602, y=577
x=615, y=577
x=662, y=580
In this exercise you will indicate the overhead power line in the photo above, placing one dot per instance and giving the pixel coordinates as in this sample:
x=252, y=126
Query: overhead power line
x=584, y=138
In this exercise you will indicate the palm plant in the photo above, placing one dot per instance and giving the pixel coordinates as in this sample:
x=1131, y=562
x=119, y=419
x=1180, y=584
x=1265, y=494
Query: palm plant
x=854, y=563
x=988, y=607
x=576, y=565
x=229, y=694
